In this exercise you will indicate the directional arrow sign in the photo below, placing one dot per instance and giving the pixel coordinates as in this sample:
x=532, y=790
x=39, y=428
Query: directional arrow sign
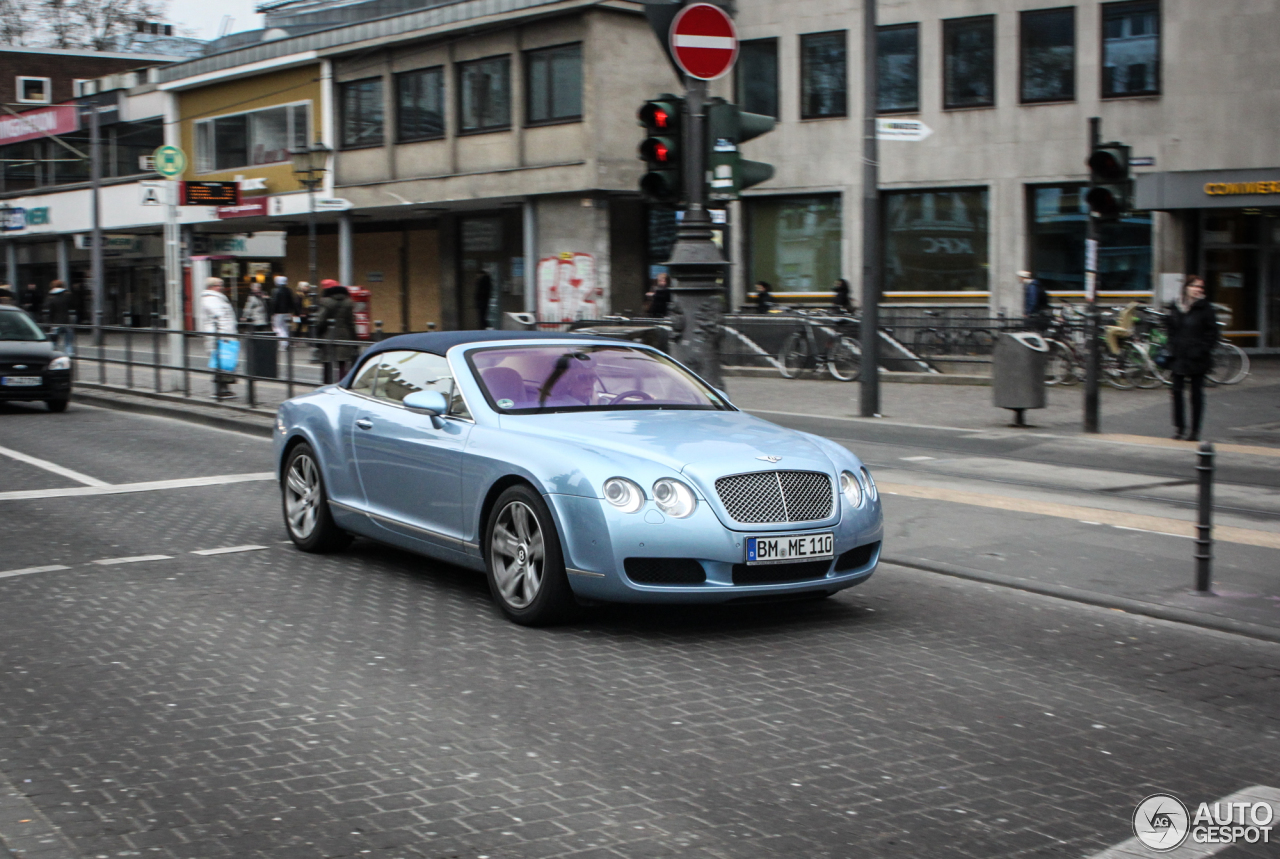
x=909, y=130
x=704, y=41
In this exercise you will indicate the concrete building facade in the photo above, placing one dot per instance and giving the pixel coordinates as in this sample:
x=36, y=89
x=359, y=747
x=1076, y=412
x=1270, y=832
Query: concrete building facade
x=1008, y=87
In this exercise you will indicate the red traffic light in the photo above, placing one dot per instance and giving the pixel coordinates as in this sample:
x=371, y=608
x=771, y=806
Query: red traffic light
x=659, y=115
x=656, y=150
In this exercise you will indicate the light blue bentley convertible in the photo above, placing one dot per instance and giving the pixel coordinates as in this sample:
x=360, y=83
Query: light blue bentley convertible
x=572, y=470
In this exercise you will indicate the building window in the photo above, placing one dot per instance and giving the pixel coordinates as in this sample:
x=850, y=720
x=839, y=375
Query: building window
x=1058, y=219
x=898, y=69
x=1130, y=49
x=420, y=105
x=795, y=241
x=553, y=78
x=969, y=62
x=757, y=77
x=360, y=103
x=252, y=139
x=1049, y=55
x=936, y=240
x=484, y=95
x=823, y=82
x=34, y=90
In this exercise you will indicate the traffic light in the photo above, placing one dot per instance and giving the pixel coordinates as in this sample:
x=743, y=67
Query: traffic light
x=1110, y=188
x=661, y=151
x=727, y=126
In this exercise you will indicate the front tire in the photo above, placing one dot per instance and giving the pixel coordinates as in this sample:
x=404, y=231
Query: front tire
x=306, y=504
x=59, y=405
x=524, y=560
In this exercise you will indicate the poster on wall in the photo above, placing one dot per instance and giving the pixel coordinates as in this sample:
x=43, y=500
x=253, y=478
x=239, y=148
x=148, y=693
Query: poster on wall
x=567, y=288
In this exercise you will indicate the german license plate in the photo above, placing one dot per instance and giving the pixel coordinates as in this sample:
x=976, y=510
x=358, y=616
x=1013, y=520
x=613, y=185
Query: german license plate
x=776, y=549
x=21, y=381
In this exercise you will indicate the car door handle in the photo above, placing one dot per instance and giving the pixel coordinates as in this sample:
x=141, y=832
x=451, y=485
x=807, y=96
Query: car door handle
x=364, y=423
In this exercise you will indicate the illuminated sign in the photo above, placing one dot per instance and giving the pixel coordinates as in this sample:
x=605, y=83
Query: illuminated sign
x=210, y=193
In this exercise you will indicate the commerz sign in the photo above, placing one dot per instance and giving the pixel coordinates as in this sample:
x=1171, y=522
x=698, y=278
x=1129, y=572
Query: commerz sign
x=1207, y=189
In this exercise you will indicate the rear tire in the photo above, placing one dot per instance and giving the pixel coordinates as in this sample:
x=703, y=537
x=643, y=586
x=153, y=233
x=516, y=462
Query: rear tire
x=524, y=561
x=56, y=405
x=794, y=356
x=1230, y=364
x=843, y=360
x=306, y=504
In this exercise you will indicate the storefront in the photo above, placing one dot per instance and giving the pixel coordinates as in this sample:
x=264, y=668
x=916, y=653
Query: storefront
x=936, y=245
x=1230, y=221
x=1057, y=220
x=794, y=242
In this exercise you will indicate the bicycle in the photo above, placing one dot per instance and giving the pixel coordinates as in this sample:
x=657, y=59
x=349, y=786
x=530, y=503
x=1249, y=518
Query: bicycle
x=800, y=352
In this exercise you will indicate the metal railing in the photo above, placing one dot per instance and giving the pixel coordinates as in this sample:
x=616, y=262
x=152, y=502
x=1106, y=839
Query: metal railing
x=173, y=361
x=145, y=359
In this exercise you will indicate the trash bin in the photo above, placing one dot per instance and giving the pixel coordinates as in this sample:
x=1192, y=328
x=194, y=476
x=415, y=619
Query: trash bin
x=1017, y=372
x=262, y=357
x=519, y=322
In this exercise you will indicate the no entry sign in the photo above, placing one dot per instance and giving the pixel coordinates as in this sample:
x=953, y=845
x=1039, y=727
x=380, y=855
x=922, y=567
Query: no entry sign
x=703, y=41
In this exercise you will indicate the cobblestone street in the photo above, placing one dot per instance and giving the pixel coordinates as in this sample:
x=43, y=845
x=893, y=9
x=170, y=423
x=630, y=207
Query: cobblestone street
x=264, y=702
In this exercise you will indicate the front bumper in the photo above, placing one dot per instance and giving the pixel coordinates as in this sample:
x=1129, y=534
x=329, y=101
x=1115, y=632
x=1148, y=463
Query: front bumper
x=598, y=540
x=55, y=385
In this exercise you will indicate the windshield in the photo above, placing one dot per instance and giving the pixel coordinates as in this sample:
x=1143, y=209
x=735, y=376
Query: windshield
x=532, y=379
x=18, y=326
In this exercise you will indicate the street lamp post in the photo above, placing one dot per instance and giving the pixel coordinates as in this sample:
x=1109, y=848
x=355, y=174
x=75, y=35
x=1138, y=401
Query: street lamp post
x=309, y=165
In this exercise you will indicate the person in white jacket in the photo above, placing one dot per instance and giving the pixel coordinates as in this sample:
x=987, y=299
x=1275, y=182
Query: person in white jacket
x=216, y=316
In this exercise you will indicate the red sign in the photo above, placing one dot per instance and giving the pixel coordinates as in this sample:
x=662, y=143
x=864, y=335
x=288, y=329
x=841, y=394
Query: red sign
x=704, y=41
x=59, y=119
x=250, y=207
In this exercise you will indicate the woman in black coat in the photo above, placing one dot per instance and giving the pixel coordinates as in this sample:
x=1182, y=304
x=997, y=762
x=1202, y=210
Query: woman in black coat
x=1193, y=334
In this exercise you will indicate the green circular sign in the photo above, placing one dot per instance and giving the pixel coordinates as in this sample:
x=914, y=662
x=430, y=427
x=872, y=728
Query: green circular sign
x=170, y=161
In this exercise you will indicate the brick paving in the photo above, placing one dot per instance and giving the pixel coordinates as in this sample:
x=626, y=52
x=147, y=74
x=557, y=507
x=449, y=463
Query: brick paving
x=373, y=703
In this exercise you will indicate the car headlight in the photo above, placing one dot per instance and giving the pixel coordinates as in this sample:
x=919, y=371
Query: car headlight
x=674, y=498
x=851, y=488
x=870, y=485
x=623, y=494
x=62, y=362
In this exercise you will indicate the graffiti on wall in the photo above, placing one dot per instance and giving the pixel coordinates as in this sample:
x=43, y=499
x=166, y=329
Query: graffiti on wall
x=568, y=289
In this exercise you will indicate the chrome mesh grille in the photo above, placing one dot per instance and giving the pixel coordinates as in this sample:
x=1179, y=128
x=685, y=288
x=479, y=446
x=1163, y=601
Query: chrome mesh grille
x=776, y=496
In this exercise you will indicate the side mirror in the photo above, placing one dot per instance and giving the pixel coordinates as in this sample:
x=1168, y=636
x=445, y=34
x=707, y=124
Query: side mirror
x=426, y=402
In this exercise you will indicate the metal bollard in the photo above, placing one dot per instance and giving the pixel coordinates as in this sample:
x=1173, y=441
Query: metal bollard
x=1204, y=525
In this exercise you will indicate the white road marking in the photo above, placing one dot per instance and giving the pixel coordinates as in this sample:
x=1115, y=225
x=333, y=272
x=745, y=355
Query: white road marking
x=53, y=467
x=107, y=562
x=227, y=550
x=29, y=570
x=1148, y=531
x=914, y=458
x=1134, y=849
x=148, y=486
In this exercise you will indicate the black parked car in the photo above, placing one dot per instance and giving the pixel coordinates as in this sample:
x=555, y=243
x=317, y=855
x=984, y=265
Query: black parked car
x=30, y=368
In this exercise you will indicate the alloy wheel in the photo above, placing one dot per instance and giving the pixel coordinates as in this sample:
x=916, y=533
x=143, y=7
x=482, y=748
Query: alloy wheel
x=302, y=496
x=518, y=554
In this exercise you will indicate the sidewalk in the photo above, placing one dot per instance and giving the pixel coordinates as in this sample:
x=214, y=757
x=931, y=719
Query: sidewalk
x=1247, y=413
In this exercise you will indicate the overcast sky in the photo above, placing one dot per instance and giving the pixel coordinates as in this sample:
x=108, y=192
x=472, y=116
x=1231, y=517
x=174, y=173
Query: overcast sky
x=205, y=16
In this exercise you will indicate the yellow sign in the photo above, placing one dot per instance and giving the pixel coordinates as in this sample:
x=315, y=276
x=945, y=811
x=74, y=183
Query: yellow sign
x=1218, y=189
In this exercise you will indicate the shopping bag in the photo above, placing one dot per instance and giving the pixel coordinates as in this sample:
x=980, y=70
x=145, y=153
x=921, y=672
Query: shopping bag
x=226, y=357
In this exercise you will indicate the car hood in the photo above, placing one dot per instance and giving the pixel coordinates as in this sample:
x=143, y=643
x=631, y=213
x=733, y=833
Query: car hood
x=38, y=352
x=701, y=444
